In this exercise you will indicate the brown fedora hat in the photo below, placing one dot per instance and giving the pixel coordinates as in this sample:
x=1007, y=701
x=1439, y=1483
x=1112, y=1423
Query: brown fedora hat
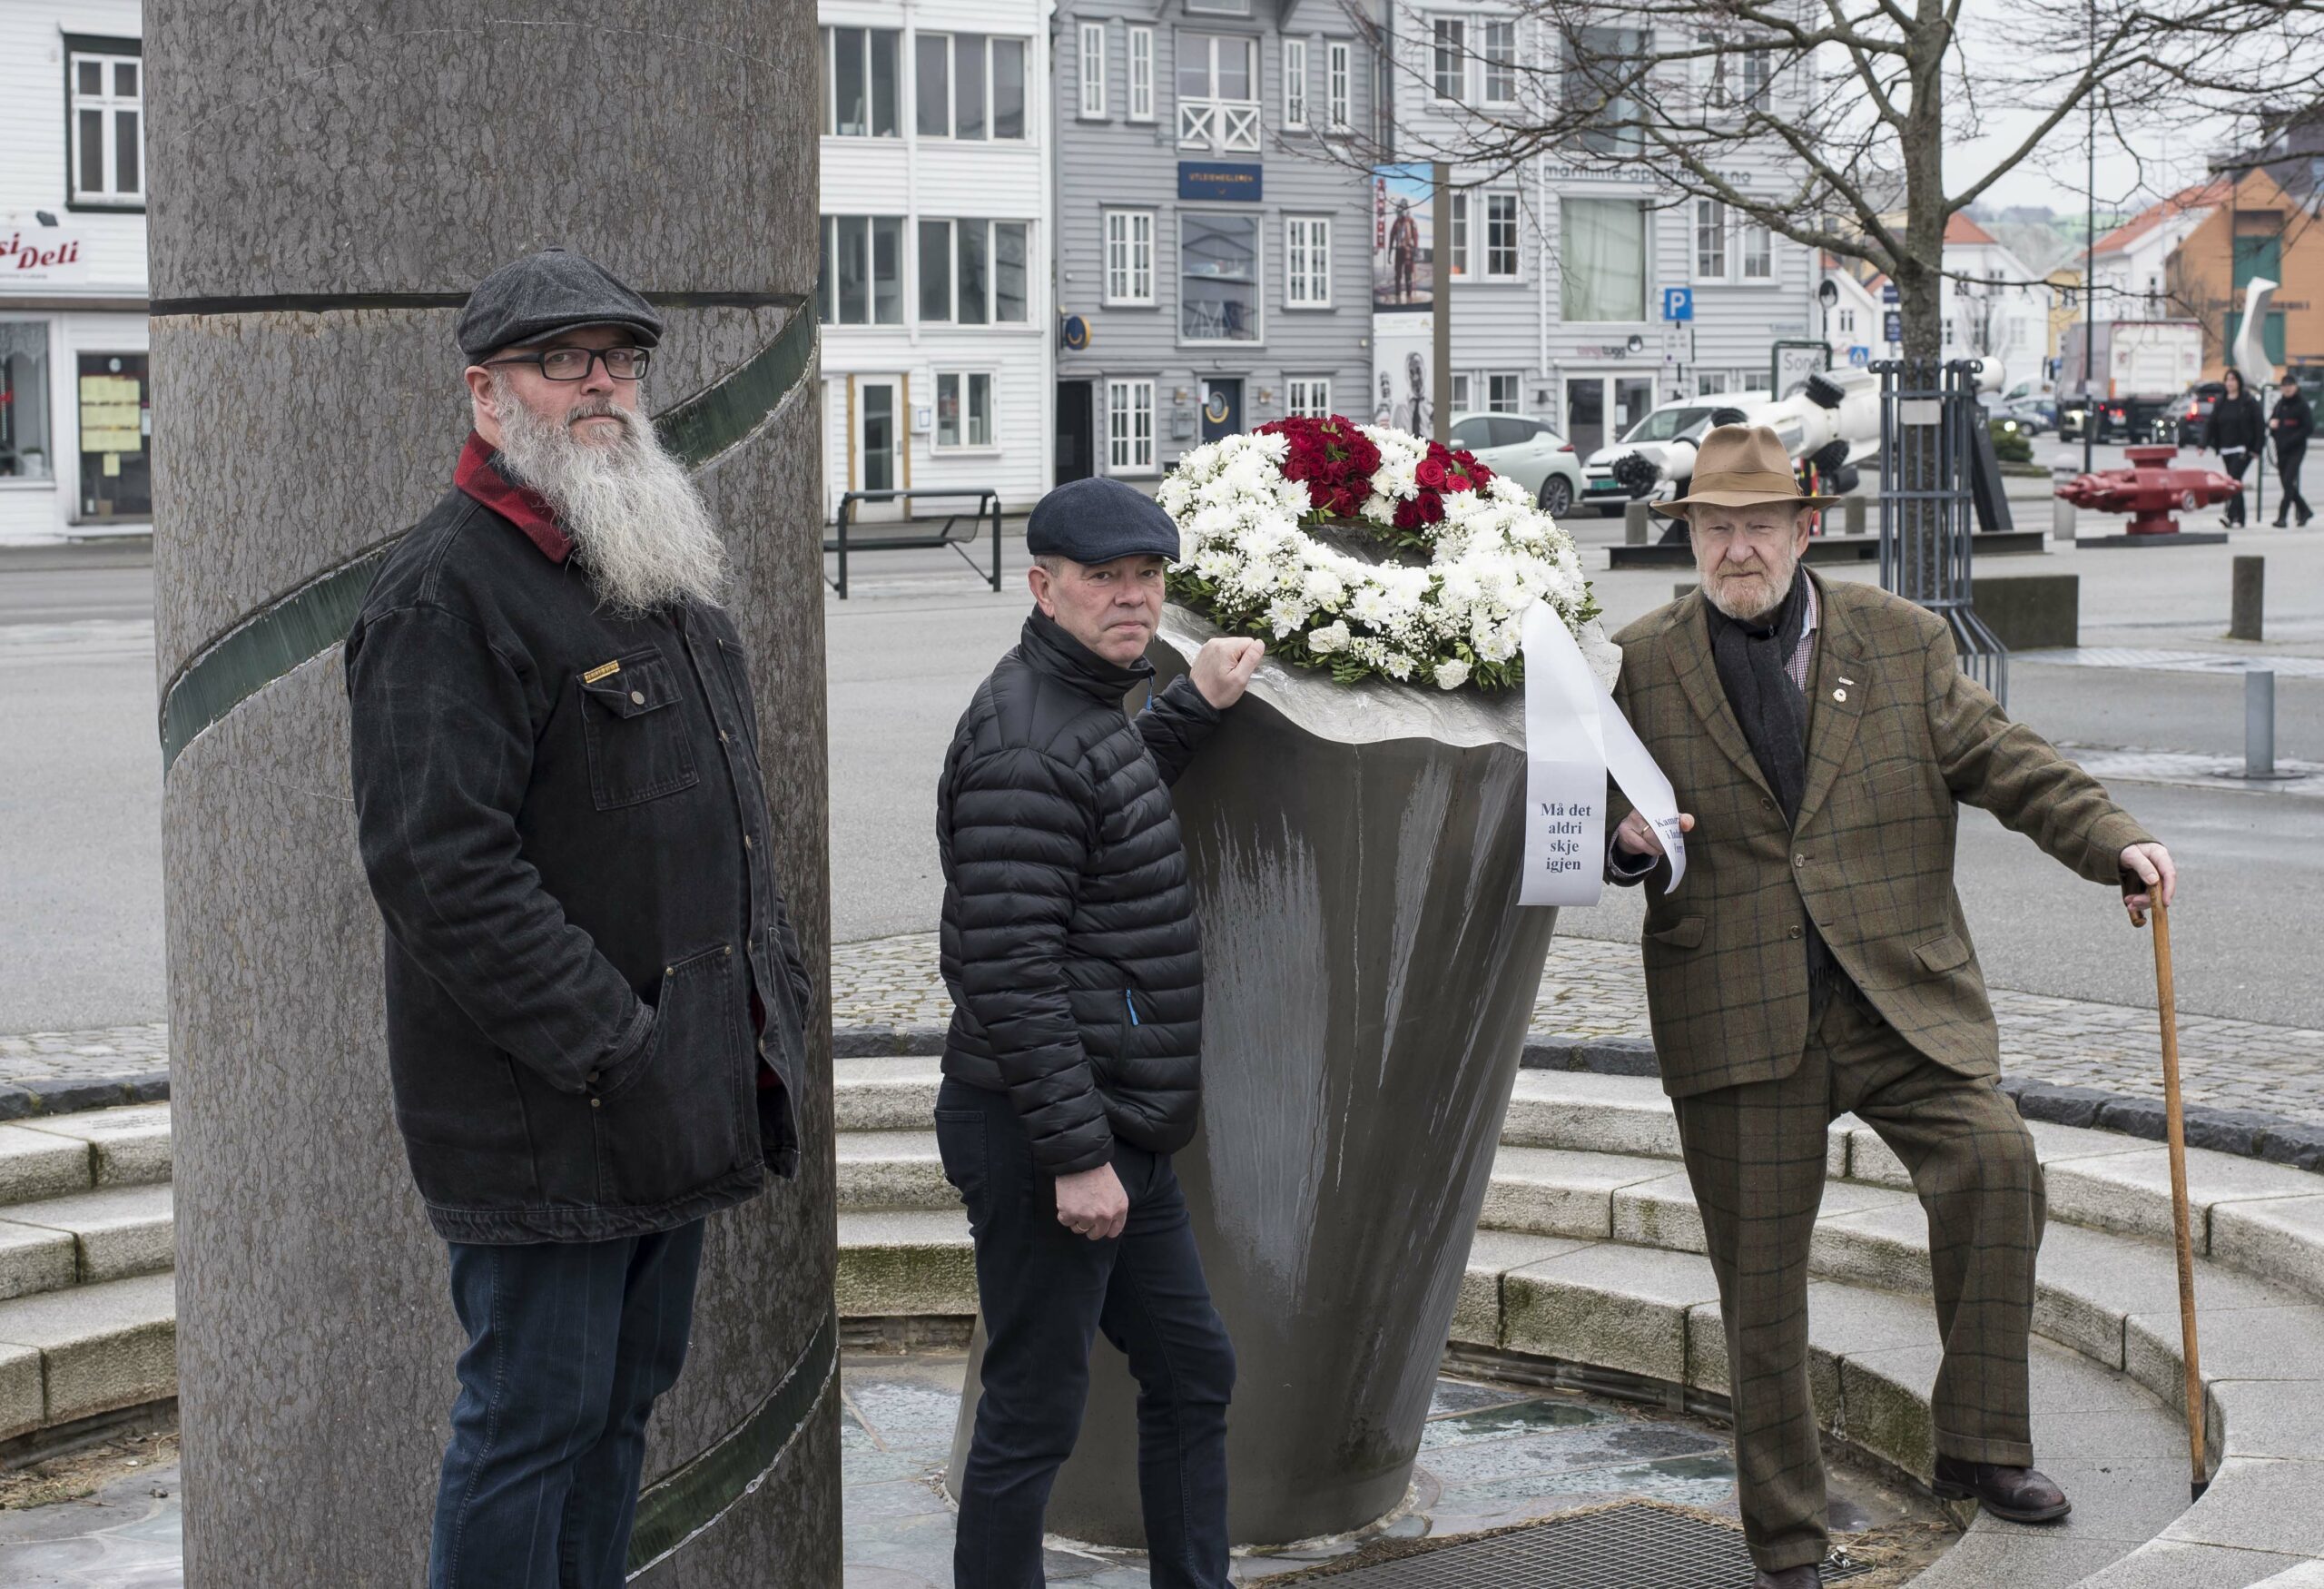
x=1737, y=466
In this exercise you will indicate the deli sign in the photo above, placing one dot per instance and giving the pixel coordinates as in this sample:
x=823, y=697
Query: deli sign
x=31, y=253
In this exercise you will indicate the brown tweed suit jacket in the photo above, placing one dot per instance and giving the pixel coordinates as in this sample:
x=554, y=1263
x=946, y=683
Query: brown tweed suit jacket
x=1897, y=735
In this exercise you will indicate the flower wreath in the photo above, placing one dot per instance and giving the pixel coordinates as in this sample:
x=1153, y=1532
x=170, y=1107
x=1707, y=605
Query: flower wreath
x=1249, y=565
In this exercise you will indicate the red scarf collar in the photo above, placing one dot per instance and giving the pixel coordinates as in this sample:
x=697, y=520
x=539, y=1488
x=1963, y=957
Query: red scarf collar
x=479, y=478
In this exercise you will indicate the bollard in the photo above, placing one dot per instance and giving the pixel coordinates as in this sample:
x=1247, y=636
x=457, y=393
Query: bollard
x=1685, y=589
x=2258, y=721
x=1637, y=526
x=2061, y=511
x=2248, y=593
x=1852, y=506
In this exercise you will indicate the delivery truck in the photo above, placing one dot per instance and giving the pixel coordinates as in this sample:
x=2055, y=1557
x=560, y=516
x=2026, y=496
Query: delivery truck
x=2138, y=369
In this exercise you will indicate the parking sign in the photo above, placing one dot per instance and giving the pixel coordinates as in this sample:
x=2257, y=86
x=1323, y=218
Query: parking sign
x=1679, y=303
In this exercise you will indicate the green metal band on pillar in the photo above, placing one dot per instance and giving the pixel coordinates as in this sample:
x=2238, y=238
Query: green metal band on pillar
x=299, y=627
x=697, y=1494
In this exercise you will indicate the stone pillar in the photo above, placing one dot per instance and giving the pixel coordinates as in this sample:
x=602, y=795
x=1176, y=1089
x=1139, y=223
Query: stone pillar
x=328, y=184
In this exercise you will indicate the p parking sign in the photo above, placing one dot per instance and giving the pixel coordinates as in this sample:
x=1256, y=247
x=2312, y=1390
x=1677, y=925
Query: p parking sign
x=1679, y=303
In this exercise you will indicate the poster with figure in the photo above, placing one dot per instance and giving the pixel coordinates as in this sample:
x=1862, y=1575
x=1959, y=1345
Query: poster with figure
x=1403, y=238
x=1402, y=368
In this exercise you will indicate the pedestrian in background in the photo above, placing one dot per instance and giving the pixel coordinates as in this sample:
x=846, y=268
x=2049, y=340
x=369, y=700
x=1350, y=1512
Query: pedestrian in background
x=1073, y=1070
x=595, y=1008
x=2234, y=430
x=2290, y=426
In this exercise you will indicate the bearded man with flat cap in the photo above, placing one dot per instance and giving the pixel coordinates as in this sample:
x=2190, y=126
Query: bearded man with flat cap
x=596, y=1009
x=1815, y=962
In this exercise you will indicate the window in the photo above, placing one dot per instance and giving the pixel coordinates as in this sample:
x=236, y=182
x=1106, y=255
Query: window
x=105, y=90
x=860, y=82
x=1459, y=396
x=1598, y=63
x=25, y=453
x=1093, y=71
x=1218, y=85
x=1129, y=256
x=974, y=272
x=1339, y=85
x=1759, y=252
x=1456, y=233
x=1141, y=74
x=1846, y=326
x=1295, y=83
x=1710, y=240
x=1500, y=237
x=1499, y=48
x=1221, y=7
x=1504, y=395
x=1710, y=383
x=862, y=279
x=1310, y=399
x=1602, y=256
x=1452, y=56
x=1308, y=249
x=1757, y=69
x=1218, y=277
x=963, y=407
x=1130, y=427
x=115, y=422
x=970, y=86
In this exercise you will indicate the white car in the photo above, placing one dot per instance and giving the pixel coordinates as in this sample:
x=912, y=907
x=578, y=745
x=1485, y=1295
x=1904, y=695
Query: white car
x=1528, y=451
x=1683, y=419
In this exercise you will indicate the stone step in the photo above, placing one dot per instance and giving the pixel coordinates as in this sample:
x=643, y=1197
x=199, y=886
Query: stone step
x=892, y=1171
x=84, y=1238
x=885, y=1094
x=86, y=1350
x=129, y=1146
x=906, y=1264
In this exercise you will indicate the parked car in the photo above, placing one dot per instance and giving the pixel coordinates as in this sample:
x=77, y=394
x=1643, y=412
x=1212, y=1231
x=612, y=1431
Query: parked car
x=2030, y=415
x=1684, y=418
x=1528, y=451
x=2191, y=410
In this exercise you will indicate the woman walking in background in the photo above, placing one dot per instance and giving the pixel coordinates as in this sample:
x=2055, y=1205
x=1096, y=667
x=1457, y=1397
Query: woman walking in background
x=2234, y=430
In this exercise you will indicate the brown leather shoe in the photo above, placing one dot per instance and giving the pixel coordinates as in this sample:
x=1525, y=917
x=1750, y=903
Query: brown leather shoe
x=1789, y=1578
x=2015, y=1495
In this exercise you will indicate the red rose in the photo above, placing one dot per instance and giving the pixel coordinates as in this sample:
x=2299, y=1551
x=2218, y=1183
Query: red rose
x=1432, y=508
x=1431, y=473
x=1408, y=516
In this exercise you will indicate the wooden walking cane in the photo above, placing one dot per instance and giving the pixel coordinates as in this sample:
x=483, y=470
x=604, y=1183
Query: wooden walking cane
x=2174, y=1116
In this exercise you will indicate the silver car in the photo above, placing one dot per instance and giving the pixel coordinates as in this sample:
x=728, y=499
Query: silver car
x=1528, y=451
x=1683, y=419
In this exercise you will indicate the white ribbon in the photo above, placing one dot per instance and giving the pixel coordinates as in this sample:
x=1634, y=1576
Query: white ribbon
x=1574, y=737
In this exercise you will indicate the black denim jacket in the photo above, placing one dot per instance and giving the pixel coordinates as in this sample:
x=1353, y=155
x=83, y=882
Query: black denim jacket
x=561, y=815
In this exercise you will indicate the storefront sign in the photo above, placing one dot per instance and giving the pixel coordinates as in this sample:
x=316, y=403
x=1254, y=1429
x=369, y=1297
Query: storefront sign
x=1238, y=182
x=32, y=253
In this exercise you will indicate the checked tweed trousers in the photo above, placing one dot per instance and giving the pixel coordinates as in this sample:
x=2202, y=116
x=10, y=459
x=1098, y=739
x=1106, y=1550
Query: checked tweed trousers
x=1756, y=1156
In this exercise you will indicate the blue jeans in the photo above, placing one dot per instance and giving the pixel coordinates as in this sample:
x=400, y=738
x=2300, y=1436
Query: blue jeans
x=569, y=1345
x=1045, y=1293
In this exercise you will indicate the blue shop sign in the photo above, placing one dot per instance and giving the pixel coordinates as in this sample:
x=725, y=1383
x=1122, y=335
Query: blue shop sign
x=1235, y=182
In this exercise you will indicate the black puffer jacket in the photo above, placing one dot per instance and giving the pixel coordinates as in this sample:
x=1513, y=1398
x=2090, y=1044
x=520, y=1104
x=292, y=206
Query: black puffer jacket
x=2235, y=421
x=1069, y=941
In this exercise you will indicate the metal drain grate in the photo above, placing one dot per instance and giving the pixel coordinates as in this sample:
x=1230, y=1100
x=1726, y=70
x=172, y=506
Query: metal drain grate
x=1621, y=1548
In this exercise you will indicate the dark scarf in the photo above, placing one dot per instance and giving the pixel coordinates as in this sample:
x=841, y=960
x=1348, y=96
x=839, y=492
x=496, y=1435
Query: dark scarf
x=1753, y=658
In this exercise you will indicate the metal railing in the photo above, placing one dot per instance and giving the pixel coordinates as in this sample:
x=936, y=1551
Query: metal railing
x=956, y=529
x=1929, y=413
x=1225, y=125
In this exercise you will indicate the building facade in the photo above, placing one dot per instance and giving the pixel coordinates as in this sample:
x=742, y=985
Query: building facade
x=2260, y=228
x=1561, y=268
x=938, y=327
x=1212, y=243
x=75, y=404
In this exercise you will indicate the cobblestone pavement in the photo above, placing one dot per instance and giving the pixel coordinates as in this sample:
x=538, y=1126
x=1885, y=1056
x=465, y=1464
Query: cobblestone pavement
x=36, y=1059
x=1596, y=989
x=1589, y=990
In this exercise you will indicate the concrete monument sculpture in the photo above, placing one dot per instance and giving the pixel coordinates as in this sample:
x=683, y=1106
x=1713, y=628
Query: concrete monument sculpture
x=1356, y=849
x=313, y=233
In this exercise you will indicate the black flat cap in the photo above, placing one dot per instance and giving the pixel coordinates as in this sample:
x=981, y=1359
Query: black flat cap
x=548, y=292
x=1097, y=520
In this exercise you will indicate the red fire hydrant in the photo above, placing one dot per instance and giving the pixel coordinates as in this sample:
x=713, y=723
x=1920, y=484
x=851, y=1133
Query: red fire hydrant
x=2150, y=490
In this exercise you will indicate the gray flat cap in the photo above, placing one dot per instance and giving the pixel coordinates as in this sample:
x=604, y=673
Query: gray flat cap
x=548, y=292
x=1097, y=520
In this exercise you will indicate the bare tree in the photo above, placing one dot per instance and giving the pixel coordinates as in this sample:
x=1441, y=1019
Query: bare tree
x=1853, y=104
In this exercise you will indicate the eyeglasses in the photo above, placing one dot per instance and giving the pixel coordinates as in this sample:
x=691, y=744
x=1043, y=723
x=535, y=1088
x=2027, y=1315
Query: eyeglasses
x=574, y=364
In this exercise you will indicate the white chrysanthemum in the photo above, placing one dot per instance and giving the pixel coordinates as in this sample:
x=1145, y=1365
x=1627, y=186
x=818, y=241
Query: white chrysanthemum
x=1452, y=675
x=1333, y=636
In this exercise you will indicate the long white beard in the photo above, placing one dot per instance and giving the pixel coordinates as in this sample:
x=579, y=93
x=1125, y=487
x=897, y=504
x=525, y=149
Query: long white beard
x=640, y=528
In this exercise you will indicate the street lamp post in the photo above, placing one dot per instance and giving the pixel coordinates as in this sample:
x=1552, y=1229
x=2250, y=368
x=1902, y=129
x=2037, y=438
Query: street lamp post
x=2090, y=265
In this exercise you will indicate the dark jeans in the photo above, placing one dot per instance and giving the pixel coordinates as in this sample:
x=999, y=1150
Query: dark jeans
x=1046, y=1293
x=2288, y=463
x=2235, y=463
x=569, y=1344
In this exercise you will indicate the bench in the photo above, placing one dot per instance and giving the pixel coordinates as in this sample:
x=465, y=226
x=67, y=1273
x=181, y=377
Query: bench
x=955, y=529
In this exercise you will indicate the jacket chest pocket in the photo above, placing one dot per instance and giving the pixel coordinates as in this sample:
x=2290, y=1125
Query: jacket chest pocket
x=637, y=734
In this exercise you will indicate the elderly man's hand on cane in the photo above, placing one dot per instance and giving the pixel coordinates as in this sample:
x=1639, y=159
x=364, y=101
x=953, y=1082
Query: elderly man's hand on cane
x=2147, y=870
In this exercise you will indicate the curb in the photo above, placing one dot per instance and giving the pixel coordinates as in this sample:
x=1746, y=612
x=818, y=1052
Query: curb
x=20, y=1102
